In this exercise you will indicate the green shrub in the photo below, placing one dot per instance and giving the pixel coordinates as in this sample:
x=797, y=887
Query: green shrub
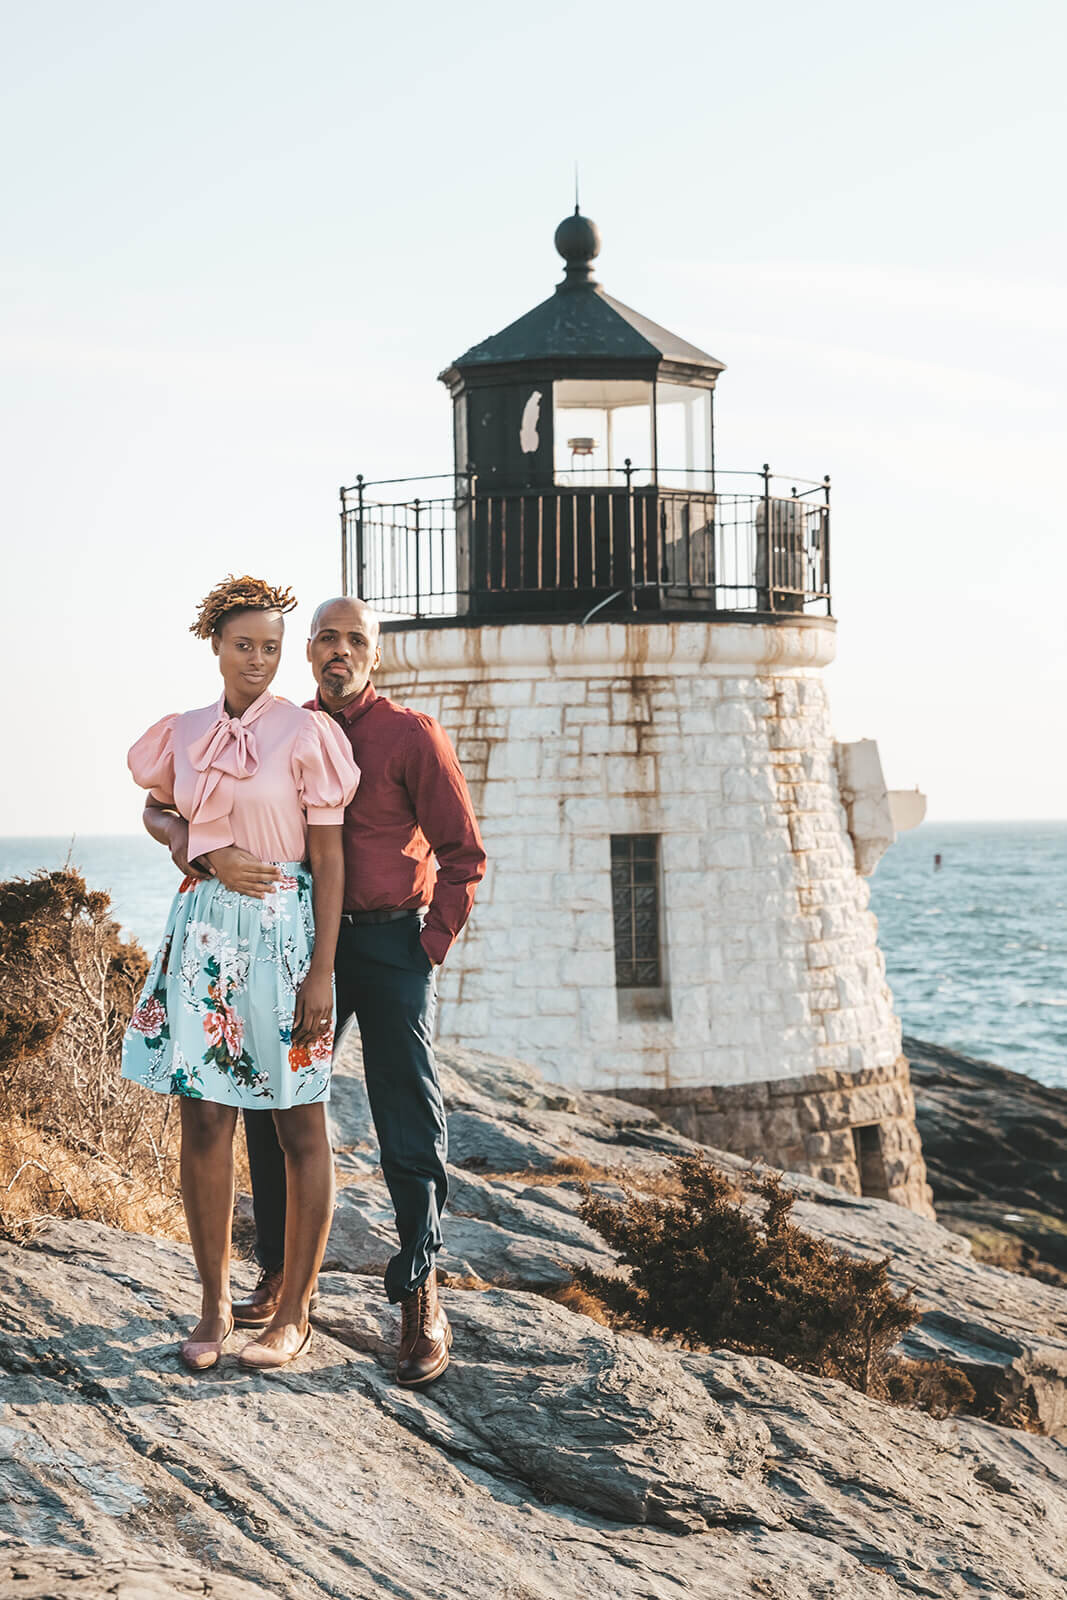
x=721, y=1264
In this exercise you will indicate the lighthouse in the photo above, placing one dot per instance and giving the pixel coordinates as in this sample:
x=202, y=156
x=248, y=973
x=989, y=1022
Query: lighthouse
x=626, y=643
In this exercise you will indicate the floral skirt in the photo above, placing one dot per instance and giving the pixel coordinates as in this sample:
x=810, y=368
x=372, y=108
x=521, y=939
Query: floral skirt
x=215, y=1017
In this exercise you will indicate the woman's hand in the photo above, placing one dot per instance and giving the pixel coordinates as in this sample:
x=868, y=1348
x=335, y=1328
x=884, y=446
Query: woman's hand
x=236, y=869
x=313, y=1013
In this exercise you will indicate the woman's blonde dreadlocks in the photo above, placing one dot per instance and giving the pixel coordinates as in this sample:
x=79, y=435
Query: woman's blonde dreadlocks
x=238, y=594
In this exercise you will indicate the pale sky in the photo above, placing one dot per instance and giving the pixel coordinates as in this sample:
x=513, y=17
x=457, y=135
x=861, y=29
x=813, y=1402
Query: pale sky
x=241, y=240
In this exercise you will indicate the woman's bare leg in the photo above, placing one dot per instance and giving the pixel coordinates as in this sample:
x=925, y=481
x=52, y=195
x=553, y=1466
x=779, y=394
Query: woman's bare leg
x=207, y=1195
x=308, y=1213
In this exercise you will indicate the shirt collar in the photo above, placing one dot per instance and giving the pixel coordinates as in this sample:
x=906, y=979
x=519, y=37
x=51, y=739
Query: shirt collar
x=252, y=714
x=353, y=710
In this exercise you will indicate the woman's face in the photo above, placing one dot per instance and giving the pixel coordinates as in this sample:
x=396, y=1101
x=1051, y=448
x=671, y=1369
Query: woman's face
x=249, y=648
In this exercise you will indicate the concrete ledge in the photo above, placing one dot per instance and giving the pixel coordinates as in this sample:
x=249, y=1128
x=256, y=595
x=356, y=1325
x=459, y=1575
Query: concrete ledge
x=638, y=649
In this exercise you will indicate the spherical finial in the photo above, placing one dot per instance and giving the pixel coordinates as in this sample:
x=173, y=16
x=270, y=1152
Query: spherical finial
x=578, y=242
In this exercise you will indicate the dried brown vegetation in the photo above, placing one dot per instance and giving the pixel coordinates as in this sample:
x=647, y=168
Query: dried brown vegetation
x=721, y=1265
x=76, y=1140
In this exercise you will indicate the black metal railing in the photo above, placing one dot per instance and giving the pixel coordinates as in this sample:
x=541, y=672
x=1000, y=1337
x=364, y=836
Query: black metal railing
x=610, y=545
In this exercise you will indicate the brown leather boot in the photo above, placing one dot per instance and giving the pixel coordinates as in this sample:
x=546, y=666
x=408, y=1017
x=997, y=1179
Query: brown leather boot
x=257, y=1309
x=425, y=1336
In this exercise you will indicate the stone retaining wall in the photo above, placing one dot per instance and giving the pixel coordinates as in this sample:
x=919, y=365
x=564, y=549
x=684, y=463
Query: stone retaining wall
x=806, y=1125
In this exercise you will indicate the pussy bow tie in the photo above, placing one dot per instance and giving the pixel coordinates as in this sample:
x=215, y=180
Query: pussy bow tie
x=225, y=752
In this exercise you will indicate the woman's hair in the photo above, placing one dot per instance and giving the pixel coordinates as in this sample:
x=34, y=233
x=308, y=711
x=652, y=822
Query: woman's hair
x=238, y=594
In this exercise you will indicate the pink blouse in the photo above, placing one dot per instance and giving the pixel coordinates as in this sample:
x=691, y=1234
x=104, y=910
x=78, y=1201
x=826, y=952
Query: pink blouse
x=256, y=781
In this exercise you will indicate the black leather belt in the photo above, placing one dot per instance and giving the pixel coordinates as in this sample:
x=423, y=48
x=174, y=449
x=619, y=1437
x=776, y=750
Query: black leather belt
x=360, y=918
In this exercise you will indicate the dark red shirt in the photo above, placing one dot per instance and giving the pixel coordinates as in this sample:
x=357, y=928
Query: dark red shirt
x=410, y=834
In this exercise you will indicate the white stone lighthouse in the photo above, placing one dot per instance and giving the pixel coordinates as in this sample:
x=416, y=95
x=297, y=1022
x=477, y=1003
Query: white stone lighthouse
x=626, y=645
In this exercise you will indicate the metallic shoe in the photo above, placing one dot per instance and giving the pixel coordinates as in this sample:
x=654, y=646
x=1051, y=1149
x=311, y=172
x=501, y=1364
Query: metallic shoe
x=256, y=1357
x=425, y=1336
x=257, y=1309
x=200, y=1354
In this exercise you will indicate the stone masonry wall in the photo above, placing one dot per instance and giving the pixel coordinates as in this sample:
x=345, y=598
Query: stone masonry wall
x=715, y=737
x=806, y=1125
x=771, y=954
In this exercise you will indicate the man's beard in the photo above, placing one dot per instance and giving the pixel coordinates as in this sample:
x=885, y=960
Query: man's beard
x=338, y=682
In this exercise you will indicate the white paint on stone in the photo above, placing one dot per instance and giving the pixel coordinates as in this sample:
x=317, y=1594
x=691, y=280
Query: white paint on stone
x=717, y=738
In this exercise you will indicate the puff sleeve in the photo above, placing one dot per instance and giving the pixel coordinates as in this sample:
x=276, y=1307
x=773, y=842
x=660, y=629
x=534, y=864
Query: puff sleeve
x=325, y=773
x=151, y=760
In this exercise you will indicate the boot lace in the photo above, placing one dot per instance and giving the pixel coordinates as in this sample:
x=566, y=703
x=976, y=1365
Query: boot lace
x=411, y=1314
x=426, y=1310
x=416, y=1312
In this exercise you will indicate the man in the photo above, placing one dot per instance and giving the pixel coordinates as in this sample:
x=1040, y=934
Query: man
x=413, y=859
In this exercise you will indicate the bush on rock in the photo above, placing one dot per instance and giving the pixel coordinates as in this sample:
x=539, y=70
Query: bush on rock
x=721, y=1264
x=76, y=1140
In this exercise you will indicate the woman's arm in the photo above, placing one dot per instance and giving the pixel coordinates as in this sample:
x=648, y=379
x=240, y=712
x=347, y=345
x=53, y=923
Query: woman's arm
x=314, y=1000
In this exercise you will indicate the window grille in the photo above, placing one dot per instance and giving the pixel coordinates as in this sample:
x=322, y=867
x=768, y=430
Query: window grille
x=635, y=902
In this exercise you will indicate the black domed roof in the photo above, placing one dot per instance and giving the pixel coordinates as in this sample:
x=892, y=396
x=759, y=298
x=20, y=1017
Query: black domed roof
x=580, y=324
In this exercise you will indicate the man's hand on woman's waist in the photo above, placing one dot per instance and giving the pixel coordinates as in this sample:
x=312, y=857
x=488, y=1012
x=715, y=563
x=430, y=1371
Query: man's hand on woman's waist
x=242, y=872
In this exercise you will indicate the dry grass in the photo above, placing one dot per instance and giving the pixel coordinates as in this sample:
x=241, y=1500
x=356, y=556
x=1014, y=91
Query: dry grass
x=467, y=1282
x=575, y=1298
x=577, y=1171
x=41, y=1176
x=77, y=1140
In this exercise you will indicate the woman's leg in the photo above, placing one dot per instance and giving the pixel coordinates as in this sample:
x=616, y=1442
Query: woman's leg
x=308, y=1213
x=207, y=1194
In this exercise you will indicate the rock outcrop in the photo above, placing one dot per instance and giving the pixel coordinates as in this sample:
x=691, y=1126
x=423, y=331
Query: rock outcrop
x=995, y=1144
x=556, y=1458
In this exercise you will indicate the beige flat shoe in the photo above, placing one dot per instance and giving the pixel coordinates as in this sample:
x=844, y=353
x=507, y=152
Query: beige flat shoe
x=200, y=1354
x=256, y=1357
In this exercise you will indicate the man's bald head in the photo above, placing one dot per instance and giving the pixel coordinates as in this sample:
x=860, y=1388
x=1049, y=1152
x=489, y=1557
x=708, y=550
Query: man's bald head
x=349, y=607
x=343, y=649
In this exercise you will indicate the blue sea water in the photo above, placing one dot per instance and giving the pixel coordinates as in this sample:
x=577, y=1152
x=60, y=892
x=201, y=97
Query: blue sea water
x=976, y=951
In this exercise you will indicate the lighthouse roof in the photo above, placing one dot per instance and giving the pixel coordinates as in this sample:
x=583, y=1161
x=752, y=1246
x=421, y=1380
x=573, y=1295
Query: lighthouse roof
x=581, y=323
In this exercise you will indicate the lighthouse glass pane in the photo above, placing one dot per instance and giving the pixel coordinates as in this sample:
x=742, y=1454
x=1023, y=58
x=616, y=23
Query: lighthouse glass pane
x=683, y=436
x=598, y=422
x=635, y=905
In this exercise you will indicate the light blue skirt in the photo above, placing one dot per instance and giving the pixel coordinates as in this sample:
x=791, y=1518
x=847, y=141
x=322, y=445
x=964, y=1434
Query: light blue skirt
x=215, y=1017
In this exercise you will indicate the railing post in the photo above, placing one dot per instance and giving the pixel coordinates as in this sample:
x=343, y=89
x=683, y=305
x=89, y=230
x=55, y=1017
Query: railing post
x=418, y=564
x=767, y=534
x=360, y=584
x=826, y=546
x=631, y=535
x=344, y=542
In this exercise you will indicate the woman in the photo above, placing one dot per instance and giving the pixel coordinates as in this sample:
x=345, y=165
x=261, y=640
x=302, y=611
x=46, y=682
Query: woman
x=237, y=1009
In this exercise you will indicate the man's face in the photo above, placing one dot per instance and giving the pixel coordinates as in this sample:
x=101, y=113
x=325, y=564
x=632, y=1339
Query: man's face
x=343, y=651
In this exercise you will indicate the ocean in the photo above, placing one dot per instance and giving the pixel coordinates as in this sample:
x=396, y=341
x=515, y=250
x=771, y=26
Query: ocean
x=976, y=950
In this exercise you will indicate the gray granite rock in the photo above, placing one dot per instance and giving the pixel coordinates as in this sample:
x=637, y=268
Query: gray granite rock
x=554, y=1459
x=503, y=1117
x=1008, y=1332
x=508, y=1240
x=995, y=1146
x=35, y=1572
